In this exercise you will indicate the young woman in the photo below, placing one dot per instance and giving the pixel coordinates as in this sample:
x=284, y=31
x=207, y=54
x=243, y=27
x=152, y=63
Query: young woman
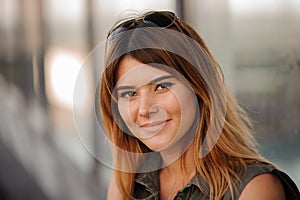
x=177, y=131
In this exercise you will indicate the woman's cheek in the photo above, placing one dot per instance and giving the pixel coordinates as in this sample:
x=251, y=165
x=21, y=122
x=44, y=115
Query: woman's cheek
x=123, y=111
x=128, y=112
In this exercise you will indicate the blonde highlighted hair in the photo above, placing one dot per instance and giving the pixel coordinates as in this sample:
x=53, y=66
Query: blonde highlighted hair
x=235, y=146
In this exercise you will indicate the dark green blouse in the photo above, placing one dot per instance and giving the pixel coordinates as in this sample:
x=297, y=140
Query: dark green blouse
x=147, y=185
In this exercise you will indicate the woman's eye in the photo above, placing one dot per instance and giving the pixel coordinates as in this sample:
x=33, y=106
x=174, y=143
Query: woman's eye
x=164, y=85
x=128, y=94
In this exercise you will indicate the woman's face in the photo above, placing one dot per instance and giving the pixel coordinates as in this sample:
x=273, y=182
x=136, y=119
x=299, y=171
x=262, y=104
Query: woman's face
x=157, y=108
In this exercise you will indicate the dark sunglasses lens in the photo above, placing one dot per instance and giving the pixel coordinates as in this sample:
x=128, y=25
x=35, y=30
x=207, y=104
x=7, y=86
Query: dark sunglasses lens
x=160, y=19
x=119, y=29
x=115, y=33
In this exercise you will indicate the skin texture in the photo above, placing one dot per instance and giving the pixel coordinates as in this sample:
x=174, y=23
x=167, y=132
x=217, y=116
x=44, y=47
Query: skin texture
x=266, y=186
x=157, y=108
x=156, y=114
x=223, y=143
x=113, y=192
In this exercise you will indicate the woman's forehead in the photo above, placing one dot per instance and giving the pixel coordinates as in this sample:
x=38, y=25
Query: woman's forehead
x=131, y=71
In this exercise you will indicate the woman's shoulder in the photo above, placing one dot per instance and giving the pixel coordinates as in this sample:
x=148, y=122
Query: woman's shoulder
x=113, y=192
x=264, y=181
x=265, y=186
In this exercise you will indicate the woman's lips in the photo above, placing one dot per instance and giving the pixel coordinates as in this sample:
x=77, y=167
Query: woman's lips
x=153, y=126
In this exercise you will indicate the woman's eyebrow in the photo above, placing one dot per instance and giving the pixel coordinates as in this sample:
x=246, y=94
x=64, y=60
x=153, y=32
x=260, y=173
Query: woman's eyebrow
x=127, y=87
x=162, y=78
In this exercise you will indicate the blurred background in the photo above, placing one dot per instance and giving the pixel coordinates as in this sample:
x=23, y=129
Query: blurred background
x=43, y=44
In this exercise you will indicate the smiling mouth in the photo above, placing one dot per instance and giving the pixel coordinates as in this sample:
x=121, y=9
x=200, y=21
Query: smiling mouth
x=154, y=126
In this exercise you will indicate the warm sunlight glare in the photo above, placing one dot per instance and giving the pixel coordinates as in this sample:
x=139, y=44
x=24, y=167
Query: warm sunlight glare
x=62, y=72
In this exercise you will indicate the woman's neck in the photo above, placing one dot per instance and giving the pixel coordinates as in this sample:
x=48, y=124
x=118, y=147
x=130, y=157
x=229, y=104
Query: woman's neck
x=175, y=176
x=175, y=168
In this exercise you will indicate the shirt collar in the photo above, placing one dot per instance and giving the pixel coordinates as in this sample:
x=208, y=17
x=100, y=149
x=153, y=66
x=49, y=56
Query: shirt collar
x=151, y=182
x=150, y=179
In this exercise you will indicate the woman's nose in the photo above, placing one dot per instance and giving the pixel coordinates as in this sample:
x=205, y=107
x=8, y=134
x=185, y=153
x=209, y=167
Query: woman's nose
x=147, y=105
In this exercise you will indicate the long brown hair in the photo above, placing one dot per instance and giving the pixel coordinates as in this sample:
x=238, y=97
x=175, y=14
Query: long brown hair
x=235, y=146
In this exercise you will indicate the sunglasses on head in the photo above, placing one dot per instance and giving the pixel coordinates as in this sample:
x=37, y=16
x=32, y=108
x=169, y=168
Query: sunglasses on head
x=161, y=19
